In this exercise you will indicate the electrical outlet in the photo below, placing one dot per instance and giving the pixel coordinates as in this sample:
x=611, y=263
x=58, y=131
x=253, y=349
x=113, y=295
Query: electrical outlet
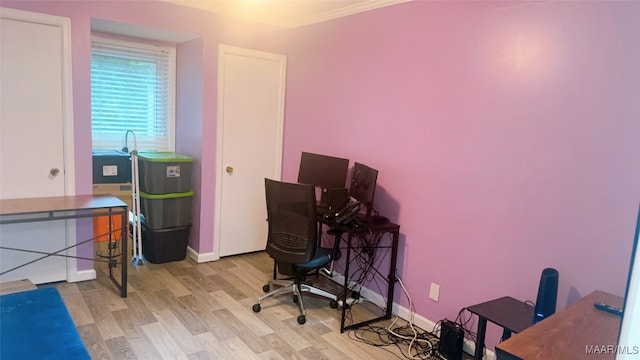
x=434, y=292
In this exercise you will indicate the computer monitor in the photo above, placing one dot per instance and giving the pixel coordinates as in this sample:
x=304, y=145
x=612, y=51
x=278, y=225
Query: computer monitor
x=363, y=185
x=326, y=172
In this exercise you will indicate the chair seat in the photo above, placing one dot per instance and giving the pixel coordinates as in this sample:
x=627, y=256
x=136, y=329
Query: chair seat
x=321, y=258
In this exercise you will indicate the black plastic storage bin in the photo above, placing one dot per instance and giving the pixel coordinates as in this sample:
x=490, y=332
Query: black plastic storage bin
x=111, y=167
x=165, y=245
x=162, y=245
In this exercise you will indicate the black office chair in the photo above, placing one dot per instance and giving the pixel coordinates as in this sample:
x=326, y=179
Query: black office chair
x=292, y=241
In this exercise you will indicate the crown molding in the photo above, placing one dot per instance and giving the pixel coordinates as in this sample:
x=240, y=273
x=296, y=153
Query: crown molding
x=342, y=12
x=293, y=19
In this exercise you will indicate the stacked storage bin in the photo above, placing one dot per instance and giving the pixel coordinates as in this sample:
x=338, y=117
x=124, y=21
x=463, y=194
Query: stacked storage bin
x=111, y=176
x=165, y=203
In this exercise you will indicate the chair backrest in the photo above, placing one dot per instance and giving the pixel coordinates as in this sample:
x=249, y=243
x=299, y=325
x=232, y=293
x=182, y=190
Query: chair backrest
x=293, y=224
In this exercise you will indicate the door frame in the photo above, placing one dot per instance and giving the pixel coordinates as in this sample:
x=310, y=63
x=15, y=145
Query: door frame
x=68, y=173
x=222, y=51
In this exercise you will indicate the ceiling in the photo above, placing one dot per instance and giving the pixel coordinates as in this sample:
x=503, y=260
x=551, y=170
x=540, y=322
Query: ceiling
x=287, y=13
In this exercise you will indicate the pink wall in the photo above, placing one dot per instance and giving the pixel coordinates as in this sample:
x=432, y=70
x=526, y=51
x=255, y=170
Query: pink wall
x=189, y=109
x=506, y=136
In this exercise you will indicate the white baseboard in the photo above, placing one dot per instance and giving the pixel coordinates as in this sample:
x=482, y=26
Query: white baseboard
x=426, y=324
x=83, y=275
x=201, y=258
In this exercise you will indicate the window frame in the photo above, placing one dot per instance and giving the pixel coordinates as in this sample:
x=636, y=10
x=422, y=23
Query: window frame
x=169, y=81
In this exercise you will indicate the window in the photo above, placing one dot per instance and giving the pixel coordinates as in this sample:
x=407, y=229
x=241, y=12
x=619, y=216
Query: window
x=132, y=88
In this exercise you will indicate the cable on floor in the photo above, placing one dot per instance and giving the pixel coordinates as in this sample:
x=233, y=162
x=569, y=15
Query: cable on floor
x=412, y=342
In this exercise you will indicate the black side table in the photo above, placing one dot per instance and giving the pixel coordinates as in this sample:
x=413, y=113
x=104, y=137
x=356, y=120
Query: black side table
x=510, y=314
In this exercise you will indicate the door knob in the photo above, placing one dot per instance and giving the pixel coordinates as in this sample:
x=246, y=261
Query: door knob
x=229, y=170
x=54, y=171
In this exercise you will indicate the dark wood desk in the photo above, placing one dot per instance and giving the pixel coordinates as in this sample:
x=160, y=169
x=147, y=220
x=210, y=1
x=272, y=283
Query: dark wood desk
x=13, y=211
x=568, y=334
x=511, y=314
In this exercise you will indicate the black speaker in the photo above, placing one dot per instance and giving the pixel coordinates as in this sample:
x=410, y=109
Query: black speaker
x=451, y=338
x=547, y=295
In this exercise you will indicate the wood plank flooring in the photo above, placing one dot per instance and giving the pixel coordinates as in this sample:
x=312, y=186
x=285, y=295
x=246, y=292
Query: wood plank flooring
x=185, y=310
x=11, y=287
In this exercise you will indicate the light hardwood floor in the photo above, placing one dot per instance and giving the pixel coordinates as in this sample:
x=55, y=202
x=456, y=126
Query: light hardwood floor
x=185, y=310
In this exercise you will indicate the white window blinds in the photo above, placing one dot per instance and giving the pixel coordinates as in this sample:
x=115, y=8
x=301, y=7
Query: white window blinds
x=132, y=88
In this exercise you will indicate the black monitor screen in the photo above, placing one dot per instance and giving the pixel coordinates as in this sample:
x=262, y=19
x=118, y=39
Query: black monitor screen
x=363, y=184
x=323, y=171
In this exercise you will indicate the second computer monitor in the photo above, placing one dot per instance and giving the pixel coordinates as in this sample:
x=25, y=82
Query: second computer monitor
x=363, y=185
x=323, y=171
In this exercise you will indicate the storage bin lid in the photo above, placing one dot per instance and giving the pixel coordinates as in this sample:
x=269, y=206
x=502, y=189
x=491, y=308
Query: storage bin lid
x=162, y=156
x=106, y=152
x=165, y=196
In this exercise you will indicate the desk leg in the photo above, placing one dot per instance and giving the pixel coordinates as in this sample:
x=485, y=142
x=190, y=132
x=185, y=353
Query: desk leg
x=346, y=284
x=506, y=333
x=123, y=257
x=482, y=328
x=392, y=273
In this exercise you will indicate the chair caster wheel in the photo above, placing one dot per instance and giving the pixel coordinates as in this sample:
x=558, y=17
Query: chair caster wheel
x=265, y=288
x=295, y=300
x=302, y=319
x=333, y=304
x=256, y=308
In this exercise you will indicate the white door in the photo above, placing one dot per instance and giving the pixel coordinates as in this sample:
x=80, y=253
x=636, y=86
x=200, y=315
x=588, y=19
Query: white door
x=34, y=126
x=250, y=122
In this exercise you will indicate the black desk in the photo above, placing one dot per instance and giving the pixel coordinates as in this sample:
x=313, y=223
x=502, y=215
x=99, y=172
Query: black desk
x=353, y=233
x=510, y=314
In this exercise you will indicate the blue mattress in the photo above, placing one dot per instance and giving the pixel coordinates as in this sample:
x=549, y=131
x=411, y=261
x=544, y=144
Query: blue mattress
x=35, y=324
